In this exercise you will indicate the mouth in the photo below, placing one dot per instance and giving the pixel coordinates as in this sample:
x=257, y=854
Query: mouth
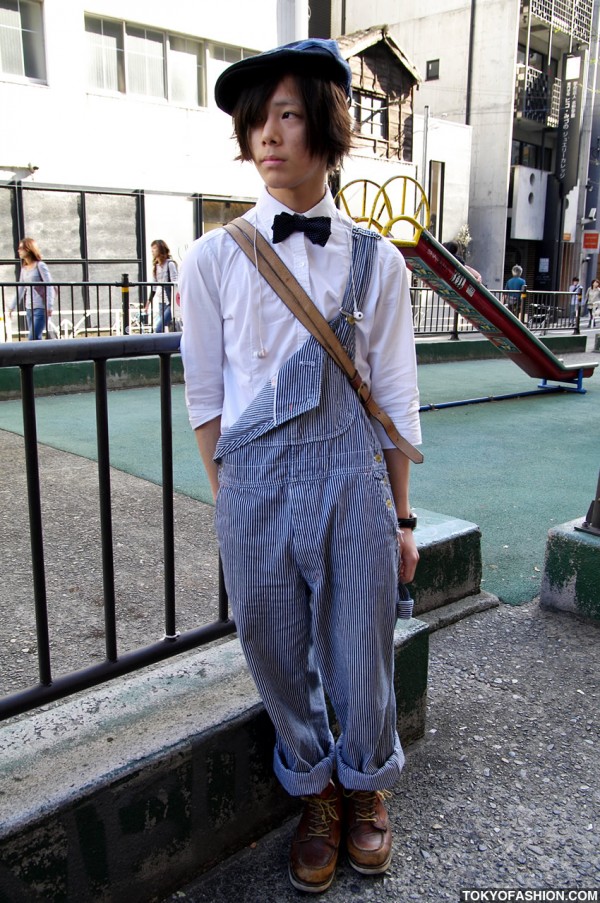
x=272, y=161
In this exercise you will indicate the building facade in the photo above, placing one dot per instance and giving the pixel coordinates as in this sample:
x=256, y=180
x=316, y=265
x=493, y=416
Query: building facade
x=521, y=75
x=112, y=138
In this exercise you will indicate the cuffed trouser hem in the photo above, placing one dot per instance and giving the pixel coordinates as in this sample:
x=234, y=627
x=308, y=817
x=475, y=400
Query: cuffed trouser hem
x=305, y=783
x=383, y=778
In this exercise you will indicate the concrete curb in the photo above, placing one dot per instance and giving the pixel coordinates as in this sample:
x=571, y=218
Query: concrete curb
x=570, y=580
x=441, y=352
x=154, y=778
x=51, y=379
x=67, y=378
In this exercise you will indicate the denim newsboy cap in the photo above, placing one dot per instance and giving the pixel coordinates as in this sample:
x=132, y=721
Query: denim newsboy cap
x=317, y=57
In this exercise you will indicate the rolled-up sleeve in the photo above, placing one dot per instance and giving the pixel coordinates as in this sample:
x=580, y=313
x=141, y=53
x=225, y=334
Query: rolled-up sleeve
x=202, y=337
x=391, y=355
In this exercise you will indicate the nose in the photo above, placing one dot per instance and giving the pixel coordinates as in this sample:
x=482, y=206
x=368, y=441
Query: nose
x=270, y=131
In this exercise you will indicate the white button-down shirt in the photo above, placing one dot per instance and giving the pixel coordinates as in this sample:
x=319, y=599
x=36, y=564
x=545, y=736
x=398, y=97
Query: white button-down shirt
x=237, y=332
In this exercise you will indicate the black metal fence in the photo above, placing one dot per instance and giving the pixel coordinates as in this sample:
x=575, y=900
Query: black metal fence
x=92, y=309
x=84, y=309
x=26, y=356
x=542, y=312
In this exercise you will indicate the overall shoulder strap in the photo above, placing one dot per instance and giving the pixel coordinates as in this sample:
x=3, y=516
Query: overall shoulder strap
x=286, y=286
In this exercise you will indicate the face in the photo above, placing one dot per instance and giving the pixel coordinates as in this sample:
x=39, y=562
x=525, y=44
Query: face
x=154, y=249
x=21, y=251
x=280, y=153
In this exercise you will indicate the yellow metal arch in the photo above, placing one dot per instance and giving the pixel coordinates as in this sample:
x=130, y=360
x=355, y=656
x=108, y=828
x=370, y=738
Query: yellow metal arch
x=367, y=205
x=383, y=212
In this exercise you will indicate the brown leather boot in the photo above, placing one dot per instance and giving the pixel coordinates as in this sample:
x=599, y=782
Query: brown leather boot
x=368, y=832
x=314, y=852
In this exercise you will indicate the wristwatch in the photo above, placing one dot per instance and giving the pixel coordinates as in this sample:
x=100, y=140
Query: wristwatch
x=407, y=523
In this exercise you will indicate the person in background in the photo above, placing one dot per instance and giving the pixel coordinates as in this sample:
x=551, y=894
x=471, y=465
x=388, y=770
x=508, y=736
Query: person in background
x=164, y=269
x=576, y=289
x=592, y=300
x=452, y=247
x=37, y=298
x=515, y=285
x=312, y=499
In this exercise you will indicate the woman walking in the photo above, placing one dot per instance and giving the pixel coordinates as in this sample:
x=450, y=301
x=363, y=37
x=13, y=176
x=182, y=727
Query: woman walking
x=37, y=298
x=164, y=270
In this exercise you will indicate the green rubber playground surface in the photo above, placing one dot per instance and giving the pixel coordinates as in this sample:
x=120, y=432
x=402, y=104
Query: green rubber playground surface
x=513, y=467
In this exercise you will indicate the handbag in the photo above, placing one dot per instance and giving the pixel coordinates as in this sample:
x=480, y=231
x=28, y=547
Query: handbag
x=289, y=290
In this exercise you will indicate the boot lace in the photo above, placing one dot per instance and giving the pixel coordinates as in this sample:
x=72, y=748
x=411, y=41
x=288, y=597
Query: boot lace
x=320, y=815
x=365, y=802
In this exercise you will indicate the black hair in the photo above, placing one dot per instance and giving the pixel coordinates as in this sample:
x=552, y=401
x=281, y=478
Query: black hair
x=328, y=124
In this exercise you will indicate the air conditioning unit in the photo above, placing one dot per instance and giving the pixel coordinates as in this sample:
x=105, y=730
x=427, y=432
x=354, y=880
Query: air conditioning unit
x=529, y=203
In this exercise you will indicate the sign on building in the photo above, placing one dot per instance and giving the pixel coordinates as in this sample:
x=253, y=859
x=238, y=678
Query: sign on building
x=567, y=156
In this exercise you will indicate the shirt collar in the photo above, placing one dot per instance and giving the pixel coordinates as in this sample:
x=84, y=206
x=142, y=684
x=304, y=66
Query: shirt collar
x=267, y=207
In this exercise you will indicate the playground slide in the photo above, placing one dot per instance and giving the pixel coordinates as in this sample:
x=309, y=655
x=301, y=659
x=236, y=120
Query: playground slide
x=435, y=266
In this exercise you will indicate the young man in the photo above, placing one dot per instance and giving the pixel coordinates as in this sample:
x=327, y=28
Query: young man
x=312, y=503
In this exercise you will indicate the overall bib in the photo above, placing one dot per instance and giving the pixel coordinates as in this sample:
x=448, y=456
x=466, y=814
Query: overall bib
x=307, y=532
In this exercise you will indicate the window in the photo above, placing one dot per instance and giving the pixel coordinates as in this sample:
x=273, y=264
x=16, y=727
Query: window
x=432, y=70
x=186, y=71
x=436, y=197
x=370, y=114
x=537, y=60
x=105, y=54
x=218, y=58
x=133, y=59
x=22, y=39
x=145, y=61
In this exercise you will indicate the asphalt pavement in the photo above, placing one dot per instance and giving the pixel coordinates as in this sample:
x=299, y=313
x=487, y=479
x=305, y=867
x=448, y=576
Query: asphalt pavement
x=501, y=792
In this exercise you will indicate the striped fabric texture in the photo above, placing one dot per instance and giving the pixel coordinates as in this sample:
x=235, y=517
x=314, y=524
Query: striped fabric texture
x=307, y=531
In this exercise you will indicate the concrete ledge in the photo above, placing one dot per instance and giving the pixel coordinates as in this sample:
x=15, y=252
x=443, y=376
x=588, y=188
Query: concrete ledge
x=456, y=611
x=430, y=351
x=124, y=793
x=450, y=562
x=571, y=576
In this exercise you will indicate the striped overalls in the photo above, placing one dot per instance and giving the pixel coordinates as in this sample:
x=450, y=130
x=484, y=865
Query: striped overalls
x=307, y=531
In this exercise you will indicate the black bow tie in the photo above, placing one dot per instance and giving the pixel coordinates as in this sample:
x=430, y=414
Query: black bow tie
x=317, y=228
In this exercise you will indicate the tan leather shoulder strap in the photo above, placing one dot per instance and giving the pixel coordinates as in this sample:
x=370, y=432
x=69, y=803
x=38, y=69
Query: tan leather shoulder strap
x=286, y=286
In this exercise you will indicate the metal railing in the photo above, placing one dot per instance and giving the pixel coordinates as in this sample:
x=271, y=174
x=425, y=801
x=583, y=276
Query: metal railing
x=94, y=309
x=88, y=309
x=540, y=311
x=26, y=356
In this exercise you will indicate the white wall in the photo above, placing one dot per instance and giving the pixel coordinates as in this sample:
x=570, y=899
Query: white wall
x=492, y=120
x=79, y=137
x=450, y=143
